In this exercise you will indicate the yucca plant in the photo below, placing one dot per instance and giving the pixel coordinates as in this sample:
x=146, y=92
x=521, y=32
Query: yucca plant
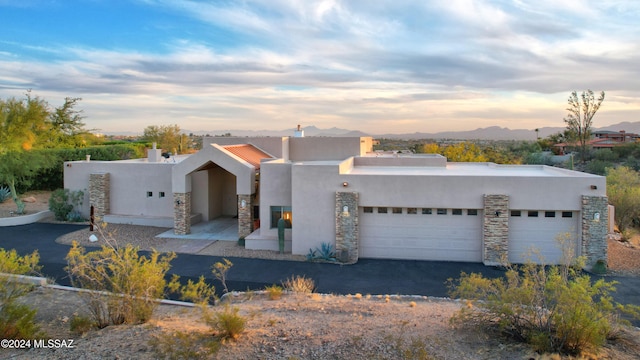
x=5, y=193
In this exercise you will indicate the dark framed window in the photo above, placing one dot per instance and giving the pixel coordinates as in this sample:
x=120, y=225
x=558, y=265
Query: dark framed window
x=283, y=212
x=161, y=194
x=549, y=214
x=441, y=211
x=149, y=193
x=456, y=211
x=516, y=213
x=382, y=210
x=368, y=210
x=412, y=211
x=472, y=212
x=426, y=211
x=532, y=214
x=396, y=210
x=567, y=214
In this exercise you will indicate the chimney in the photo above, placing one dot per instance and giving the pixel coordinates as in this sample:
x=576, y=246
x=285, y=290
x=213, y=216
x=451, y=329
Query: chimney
x=299, y=133
x=154, y=154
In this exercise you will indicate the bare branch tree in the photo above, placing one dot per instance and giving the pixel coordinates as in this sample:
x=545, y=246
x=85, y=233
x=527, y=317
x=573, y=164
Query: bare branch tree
x=579, y=120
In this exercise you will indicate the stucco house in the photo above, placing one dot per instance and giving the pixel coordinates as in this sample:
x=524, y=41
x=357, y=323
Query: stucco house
x=365, y=204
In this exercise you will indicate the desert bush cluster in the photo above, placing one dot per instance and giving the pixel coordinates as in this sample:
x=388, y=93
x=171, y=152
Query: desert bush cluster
x=556, y=309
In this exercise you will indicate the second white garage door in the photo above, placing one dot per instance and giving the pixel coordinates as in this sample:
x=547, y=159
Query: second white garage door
x=533, y=235
x=421, y=234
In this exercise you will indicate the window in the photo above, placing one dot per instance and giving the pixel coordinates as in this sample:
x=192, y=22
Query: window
x=149, y=193
x=278, y=212
x=472, y=212
x=532, y=214
x=456, y=212
x=426, y=211
x=368, y=210
x=441, y=212
x=382, y=210
x=412, y=211
x=549, y=214
x=396, y=210
x=516, y=213
x=161, y=194
x=567, y=214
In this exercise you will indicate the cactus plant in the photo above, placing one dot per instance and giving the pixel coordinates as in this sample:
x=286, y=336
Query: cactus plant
x=281, y=226
x=5, y=193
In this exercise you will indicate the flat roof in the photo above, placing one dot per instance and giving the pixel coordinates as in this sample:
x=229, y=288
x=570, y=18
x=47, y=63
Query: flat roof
x=470, y=169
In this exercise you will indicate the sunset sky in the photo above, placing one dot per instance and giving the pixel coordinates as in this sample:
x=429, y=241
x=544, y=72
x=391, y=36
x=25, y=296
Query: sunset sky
x=376, y=66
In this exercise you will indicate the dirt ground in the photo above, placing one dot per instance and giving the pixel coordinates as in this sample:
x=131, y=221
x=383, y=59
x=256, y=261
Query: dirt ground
x=298, y=326
x=35, y=201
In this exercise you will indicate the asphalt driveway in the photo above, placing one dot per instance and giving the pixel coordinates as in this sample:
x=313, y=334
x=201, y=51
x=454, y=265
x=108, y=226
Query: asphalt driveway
x=368, y=276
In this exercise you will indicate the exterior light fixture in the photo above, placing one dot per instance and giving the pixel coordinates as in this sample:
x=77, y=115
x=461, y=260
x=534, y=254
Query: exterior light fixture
x=596, y=217
x=243, y=204
x=594, y=187
x=345, y=184
x=178, y=202
x=498, y=213
x=345, y=210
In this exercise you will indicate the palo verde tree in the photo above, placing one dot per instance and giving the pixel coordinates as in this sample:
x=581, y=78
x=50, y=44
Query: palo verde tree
x=168, y=138
x=581, y=110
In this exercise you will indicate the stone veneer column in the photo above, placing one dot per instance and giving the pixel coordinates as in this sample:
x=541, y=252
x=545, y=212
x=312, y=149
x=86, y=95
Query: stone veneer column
x=182, y=213
x=495, y=230
x=594, y=229
x=99, y=195
x=347, y=230
x=245, y=215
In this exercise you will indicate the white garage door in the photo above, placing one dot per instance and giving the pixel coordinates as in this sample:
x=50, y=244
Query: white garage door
x=537, y=232
x=417, y=234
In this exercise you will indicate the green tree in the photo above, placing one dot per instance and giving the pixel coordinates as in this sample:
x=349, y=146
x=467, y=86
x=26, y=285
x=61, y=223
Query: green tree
x=623, y=191
x=67, y=127
x=167, y=137
x=580, y=117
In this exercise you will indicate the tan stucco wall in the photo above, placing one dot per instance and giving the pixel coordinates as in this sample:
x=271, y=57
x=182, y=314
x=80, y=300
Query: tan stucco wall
x=275, y=190
x=130, y=182
x=314, y=185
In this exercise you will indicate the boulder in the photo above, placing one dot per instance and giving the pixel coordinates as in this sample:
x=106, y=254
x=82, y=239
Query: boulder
x=29, y=199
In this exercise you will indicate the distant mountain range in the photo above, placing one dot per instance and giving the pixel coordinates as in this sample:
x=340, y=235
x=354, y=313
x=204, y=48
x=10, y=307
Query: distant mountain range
x=488, y=133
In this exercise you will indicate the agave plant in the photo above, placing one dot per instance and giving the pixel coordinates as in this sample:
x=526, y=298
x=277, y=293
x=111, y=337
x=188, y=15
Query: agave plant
x=5, y=193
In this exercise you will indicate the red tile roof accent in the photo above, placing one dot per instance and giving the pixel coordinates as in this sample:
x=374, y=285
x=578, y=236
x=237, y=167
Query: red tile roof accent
x=248, y=153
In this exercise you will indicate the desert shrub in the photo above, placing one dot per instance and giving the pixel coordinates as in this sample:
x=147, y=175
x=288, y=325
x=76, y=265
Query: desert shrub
x=300, y=284
x=64, y=204
x=184, y=345
x=226, y=323
x=127, y=283
x=274, y=292
x=555, y=309
x=5, y=193
x=17, y=321
x=81, y=324
x=199, y=292
x=220, y=270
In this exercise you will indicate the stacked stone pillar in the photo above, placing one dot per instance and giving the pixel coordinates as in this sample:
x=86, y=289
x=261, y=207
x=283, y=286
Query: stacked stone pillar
x=182, y=213
x=245, y=215
x=495, y=230
x=99, y=195
x=347, y=230
x=594, y=229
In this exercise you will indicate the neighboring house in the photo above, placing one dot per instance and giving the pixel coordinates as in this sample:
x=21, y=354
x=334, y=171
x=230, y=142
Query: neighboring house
x=601, y=140
x=365, y=204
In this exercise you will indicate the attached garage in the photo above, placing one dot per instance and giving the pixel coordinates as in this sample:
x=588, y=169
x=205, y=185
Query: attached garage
x=534, y=234
x=421, y=234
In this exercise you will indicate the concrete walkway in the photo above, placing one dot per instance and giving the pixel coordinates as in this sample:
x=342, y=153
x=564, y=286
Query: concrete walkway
x=223, y=228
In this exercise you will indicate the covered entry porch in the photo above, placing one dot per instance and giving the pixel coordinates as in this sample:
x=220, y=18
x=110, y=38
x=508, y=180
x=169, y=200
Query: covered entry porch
x=217, y=182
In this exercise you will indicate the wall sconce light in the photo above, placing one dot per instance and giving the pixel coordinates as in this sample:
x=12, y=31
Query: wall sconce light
x=345, y=210
x=243, y=204
x=498, y=213
x=596, y=217
x=68, y=164
x=345, y=184
x=594, y=187
x=178, y=202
